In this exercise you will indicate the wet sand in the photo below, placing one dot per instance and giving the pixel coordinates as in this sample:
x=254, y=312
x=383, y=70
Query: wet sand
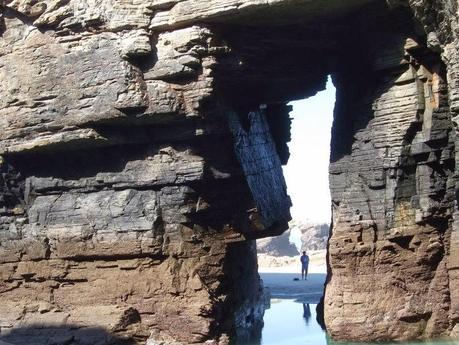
x=283, y=285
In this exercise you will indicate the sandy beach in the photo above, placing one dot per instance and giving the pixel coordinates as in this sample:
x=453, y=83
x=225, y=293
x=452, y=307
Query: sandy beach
x=283, y=285
x=287, y=264
x=282, y=275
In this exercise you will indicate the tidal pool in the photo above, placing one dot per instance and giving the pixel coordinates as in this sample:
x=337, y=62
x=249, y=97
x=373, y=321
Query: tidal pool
x=288, y=322
x=291, y=319
x=292, y=323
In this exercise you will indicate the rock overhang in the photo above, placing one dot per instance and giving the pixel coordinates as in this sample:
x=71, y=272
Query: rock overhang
x=153, y=80
x=250, y=12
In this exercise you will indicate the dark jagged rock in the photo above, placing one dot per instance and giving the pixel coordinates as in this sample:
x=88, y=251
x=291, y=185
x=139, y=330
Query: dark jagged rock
x=142, y=145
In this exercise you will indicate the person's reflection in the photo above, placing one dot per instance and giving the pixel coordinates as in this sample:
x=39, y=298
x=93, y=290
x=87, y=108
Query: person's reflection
x=306, y=313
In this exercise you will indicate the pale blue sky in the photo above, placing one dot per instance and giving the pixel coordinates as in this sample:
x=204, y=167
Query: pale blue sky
x=307, y=170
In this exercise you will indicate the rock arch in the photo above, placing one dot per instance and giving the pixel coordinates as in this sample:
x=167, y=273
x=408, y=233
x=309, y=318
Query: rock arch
x=141, y=149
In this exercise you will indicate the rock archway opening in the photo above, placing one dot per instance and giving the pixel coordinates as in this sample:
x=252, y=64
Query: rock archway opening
x=295, y=291
x=391, y=135
x=306, y=177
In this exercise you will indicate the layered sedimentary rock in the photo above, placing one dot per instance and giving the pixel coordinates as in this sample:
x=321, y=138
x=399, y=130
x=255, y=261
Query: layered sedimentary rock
x=392, y=184
x=142, y=144
x=392, y=179
x=119, y=210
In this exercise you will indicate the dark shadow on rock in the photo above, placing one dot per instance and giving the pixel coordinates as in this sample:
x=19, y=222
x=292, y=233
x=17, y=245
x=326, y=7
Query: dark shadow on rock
x=61, y=335
x=320, y=317
x=242, y=317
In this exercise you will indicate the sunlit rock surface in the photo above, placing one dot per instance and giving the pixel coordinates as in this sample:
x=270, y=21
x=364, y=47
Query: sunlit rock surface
x=313, y=236
x=142, y=144
x=277, y=246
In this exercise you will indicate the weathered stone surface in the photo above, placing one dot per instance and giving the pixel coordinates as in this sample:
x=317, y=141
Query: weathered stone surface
x=393, y=194
x=142, y=144
x=183, y=12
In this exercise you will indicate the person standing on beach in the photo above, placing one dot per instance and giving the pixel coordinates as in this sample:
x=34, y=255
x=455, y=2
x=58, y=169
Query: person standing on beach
x=304, y=265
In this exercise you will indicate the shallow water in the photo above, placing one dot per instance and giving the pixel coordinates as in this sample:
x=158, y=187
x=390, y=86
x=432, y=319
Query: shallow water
x=291, y=319
x=292, y=323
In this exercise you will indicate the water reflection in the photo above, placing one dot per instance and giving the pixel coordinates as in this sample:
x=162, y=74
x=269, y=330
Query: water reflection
x=292, y=323
x=306, y=313
x=426, y=342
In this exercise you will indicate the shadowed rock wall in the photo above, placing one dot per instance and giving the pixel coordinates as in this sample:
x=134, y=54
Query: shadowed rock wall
x=122, y=201
x=142, y=144
x=392, y=184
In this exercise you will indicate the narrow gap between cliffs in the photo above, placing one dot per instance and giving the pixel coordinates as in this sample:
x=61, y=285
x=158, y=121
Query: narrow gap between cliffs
x=293, y=301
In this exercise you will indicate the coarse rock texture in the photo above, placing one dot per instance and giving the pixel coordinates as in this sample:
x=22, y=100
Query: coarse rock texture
x=119, y=211
x=392, y=177
x=141, y=145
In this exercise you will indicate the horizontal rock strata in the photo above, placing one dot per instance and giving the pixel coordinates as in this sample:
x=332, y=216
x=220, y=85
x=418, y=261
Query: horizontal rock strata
x=141, y=145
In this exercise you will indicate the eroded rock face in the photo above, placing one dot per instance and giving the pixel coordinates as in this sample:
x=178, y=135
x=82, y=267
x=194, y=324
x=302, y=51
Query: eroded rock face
x=142, y=144
x=393, y=190
x=115, y=216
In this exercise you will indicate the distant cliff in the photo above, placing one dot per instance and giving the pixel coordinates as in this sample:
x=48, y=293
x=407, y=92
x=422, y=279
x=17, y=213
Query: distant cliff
x=277, y=246
x=301, y=236
x=313, y=236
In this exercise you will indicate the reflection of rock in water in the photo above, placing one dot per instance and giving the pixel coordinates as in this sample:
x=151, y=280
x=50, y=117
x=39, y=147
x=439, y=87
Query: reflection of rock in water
x=306, y=313
x=250, y=320
x=248, y=306
x=249, y=336
x=320, y=314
